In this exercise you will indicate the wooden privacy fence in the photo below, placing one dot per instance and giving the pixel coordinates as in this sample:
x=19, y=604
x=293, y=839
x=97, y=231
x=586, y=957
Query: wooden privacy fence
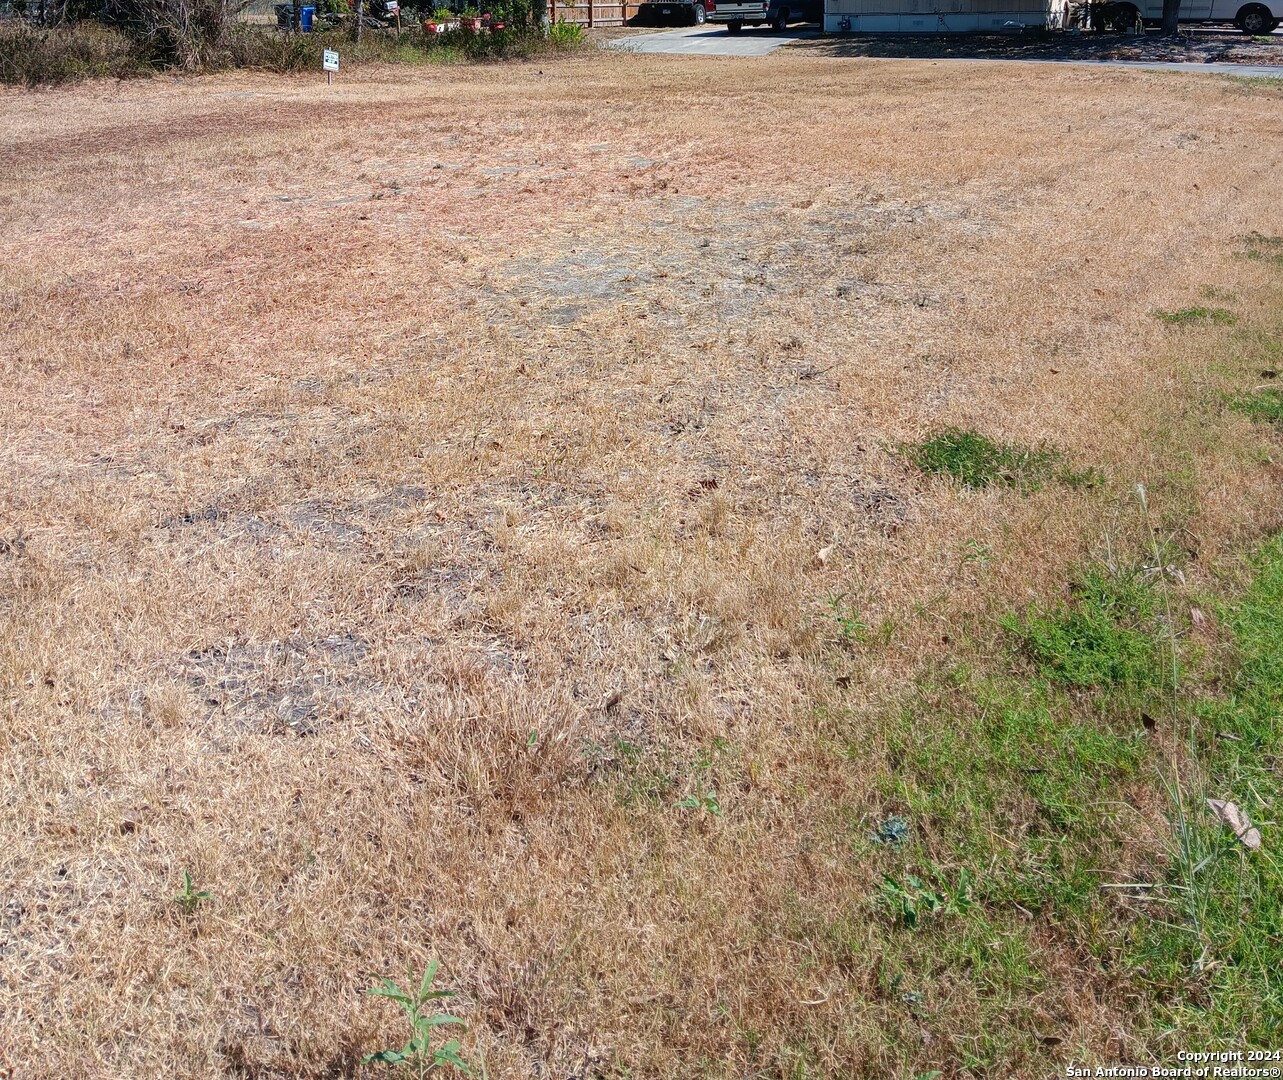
x=593, y=12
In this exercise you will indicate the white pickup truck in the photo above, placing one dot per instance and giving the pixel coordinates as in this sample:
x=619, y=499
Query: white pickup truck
x=774, y=13
x=1255, y=17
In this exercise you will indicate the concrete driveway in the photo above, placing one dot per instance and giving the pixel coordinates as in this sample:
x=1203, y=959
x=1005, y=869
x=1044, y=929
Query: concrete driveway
x=710, y=40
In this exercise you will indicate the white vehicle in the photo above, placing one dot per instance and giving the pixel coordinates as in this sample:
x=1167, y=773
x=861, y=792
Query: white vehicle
x=737, y=14
x=1250, y=16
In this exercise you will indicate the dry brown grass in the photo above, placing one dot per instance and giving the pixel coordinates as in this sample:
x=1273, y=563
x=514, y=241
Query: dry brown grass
x=352, y=434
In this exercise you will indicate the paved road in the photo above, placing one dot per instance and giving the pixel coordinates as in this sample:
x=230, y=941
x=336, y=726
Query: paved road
x=715, y=41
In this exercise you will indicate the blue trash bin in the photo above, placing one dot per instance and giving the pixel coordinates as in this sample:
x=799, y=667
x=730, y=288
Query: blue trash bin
x=306, y=17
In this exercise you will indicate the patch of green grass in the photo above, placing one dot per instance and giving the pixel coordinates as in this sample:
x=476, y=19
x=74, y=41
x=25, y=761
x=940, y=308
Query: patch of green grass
x=1107, y=636
x=1261, y=405
x=654, y=776
x=1190, y=315
x=1223, y=986
x=1251, y=83
x=1008, y=775
x=976, y=461
x=1267, y=249
x=1017, y=790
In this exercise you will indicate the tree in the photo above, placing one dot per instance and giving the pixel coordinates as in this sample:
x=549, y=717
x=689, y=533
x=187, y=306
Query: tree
x=358, y=9
x=1171, y=16
x=296, y=18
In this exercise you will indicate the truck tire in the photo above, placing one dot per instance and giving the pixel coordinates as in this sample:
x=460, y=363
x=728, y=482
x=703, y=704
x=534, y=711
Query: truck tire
x=1255, y=19
x=1124, y=17
x=734, y=27
x=699, y=14
x=781, y=21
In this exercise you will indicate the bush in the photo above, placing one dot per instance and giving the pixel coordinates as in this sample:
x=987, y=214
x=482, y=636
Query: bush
x=204, y=35
x=564, y=35
x=187, y=34
x=31, y=57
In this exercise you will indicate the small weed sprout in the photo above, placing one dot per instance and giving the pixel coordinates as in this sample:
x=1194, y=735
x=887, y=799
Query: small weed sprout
x=706, y=802
x=418, y=1053
x=912, y=901
x=190, y=899
x=978, y=554
x=852, y=629
x=704, y=797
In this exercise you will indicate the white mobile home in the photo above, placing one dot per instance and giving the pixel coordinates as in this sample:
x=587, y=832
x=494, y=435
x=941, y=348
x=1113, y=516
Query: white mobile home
x=941, y=16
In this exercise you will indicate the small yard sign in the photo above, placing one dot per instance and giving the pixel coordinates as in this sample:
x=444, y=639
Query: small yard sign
x=330, y=60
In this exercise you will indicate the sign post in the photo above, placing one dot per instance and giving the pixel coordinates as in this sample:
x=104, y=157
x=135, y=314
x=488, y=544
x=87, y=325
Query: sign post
x=330, y=62
x=394, y=8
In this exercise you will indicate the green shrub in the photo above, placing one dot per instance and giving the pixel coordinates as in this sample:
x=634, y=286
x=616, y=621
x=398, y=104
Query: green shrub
x=566, y=35
x=33, y=57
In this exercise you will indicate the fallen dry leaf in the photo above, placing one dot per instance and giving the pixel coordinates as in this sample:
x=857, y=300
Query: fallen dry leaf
x=1229, y=813
x=822, y=556
x=1197, y=617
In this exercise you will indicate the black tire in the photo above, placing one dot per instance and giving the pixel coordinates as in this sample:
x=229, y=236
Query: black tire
x=1123, y=17
x=734, y=27
x=781, y=21
x=1255, y=20
x=699, y=14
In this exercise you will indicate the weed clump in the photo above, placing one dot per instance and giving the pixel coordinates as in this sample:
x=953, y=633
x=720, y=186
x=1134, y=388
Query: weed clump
x=417, y=1005
x=1106, y=637
x=976, y=461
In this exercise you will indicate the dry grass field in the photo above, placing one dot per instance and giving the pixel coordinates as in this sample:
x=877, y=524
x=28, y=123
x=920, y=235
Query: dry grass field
x=414, y=491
